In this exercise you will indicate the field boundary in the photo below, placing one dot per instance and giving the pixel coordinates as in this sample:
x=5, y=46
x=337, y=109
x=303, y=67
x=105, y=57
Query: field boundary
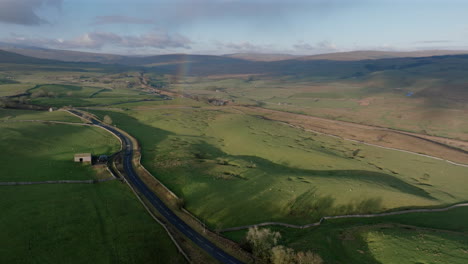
x=45, y=121
x=436, y=140
x=157, y=220
x=135, y=193
x=346, y=216
x=57, y=182
x=378, y=146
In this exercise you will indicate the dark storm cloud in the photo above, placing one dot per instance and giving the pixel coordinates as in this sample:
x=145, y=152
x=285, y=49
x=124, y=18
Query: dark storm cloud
x=23, y=12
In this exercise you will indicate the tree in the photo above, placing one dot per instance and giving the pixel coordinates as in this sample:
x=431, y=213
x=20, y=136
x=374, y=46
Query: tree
x=282, y=255
x=308, y=258
x=262, y=241
x=265, y=250
x=107, y=120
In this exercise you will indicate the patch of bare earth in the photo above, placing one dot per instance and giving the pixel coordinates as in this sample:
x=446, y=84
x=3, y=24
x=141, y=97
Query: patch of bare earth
x=366, y=101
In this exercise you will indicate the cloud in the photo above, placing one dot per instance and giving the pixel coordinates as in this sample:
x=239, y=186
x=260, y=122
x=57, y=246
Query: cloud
x=118, y=19
x=433, y=41
x=320, y=47
x=242, y=47
x=181, y=12
x=96, y=40
x=23, y=12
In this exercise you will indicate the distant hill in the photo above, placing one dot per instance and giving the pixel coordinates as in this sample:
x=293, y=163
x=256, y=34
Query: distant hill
x=61, y=55
x=18, y=61
x=169, y=59
x=10, y=57
x=261, y=56
x=158, y=60
x=375, y=55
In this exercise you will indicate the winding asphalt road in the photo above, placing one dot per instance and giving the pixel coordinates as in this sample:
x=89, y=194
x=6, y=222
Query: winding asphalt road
x=142, y=188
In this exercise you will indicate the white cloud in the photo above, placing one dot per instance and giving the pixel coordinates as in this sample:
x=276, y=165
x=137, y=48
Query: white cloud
x=96, y=40
x=320, y=47
x=242, y=47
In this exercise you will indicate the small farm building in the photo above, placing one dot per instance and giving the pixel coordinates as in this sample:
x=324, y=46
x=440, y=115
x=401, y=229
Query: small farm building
x=83, y=157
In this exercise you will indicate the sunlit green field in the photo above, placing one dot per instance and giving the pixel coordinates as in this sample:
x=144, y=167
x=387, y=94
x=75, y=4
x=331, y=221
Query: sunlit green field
x=69, y=223
x=13, y=89
x=413, y=238
x=34, y=151
x=66, y=95
x=80, y=223
x=377, y=99
x=7, y=115
x=267, y=171
x=231, y=168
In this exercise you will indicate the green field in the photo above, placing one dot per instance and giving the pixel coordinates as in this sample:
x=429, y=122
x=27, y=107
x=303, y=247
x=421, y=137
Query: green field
x=33, y=151
x=69, y=223
x=7, y=115
x=64, y=95
x=378, y=99
x=413, y=238
x=232, y=168
x=13, y=89
x=80, y=223
x=282, y=173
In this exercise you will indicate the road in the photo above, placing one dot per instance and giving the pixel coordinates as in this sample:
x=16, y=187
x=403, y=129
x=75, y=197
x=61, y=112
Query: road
x=134, y=180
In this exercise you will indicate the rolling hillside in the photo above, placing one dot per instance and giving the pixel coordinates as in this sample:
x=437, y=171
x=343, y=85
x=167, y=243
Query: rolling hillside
x=375, y=55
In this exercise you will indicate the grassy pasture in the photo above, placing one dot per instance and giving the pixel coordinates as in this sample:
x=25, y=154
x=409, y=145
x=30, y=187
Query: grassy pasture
x=281, y=173
x=59, y=90
x=14, y=89
x=437, y=107
x=84, y=102
x=69, y=223
x=34, y=151
x=16, y=115
x=59, y=95
x=414, y=238
x=79, y=223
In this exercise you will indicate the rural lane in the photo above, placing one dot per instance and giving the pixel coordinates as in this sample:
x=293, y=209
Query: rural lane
x=133, y=178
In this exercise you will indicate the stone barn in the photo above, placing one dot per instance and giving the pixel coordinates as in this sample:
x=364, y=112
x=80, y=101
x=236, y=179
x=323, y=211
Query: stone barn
x=83, y=157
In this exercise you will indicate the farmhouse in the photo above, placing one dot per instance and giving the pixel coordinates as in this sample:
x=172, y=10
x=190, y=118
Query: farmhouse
x=83, y=157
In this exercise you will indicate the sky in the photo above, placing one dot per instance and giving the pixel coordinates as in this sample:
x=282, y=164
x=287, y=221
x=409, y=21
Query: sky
x=306, y=27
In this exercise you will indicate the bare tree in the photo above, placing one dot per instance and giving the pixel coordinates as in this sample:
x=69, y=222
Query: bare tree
x=282, y=255
x=308, y=258
x=262, y=241
x=265, y=250
x=107, y=120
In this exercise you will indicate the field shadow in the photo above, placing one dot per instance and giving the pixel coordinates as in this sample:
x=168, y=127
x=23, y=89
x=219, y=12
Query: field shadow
x=148, y=137
x=312, y=204
x=209, y=151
